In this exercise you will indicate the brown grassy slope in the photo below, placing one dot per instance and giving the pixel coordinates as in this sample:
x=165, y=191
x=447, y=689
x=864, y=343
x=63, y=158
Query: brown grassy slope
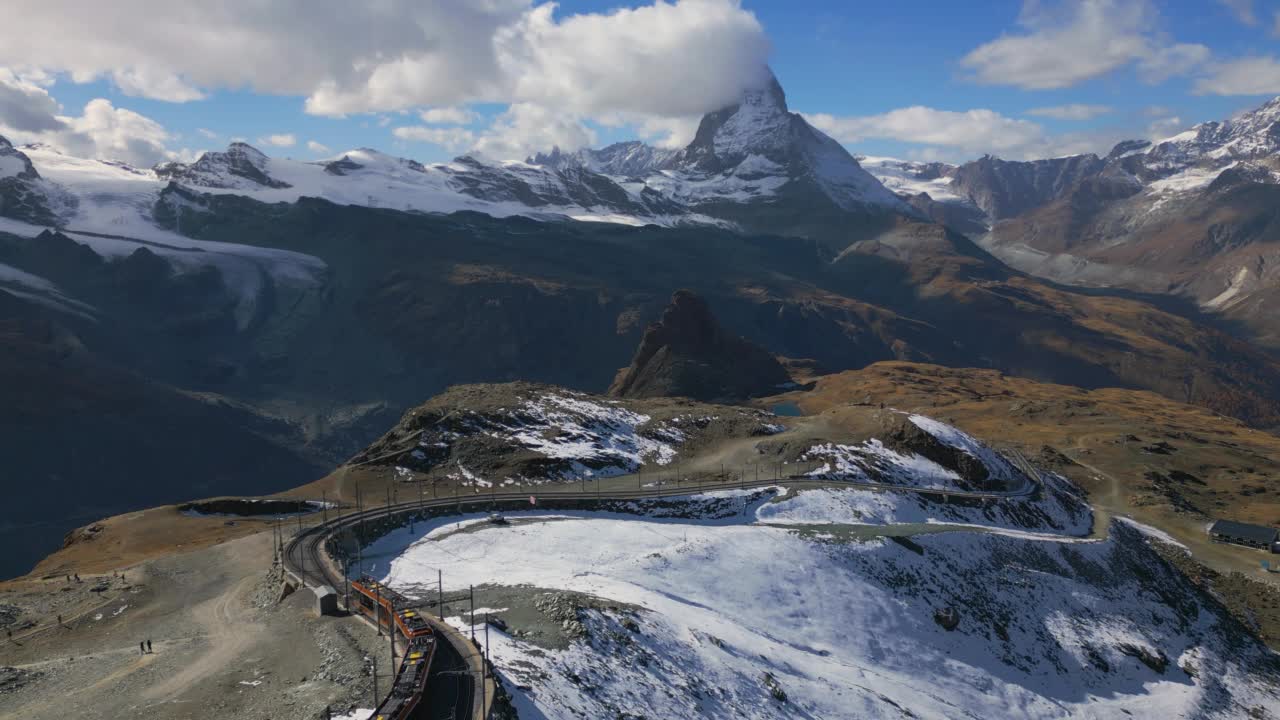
x=1170, y=457
x=1015, y=323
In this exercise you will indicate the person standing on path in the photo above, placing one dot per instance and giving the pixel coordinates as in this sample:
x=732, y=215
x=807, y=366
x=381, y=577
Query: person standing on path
x=148, y=645
x=142, y=648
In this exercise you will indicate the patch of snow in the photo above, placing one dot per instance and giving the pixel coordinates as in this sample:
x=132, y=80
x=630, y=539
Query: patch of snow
x=1154, y=533
x=1226, y=296
x=1193, y=178
x=358, y=714
x=903, y=177
x=1000, y=469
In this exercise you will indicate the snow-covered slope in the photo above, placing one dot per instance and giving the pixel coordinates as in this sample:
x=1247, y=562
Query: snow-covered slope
x=909, y=463
x=371, y=178
x=613, y=615
x=912, y=178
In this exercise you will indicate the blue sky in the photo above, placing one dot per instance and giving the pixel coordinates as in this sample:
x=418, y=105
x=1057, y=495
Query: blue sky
x=900, y=79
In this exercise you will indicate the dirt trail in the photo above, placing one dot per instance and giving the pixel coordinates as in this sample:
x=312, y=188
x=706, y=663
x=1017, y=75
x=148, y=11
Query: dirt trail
x=228, y=632
x=1104, y=506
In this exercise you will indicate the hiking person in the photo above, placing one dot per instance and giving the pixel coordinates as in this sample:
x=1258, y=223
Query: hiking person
x=142, y=648
x=148, y=645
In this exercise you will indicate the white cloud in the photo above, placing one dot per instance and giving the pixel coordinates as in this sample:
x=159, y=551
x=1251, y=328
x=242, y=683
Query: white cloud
x=1247, y=76
x=1172, y=61
x=1242, y=9
x=29, y=114
x=105, y=131
x=1074, y=111
x=317, y=148
x=526, y=128
x=670, y=133
x=448, y=116
x=668, y=58
x=1061, y=46
x=283, y=140
x=959, y=136
x=452, y=139
x=25, y=106
x=976, y=131
x=150, y=82
x=1162, y=128
x=207, y=133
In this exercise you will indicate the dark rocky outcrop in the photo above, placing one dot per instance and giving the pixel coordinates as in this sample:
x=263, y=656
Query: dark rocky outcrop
x=688, y=354
x=1004, y=188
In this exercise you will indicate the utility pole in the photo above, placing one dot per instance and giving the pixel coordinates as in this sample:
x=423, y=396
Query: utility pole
x=391, y=635
x=473, y=613
x=440, y=593
x=324, y=506
x=374, y=660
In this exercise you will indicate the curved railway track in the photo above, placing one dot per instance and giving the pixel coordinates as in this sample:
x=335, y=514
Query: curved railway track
x=452, y=688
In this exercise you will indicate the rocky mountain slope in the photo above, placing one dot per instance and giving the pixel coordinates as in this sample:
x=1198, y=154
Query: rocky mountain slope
x=84, y=437
x=529, y=434
x=688, y=354
x=1191, y=216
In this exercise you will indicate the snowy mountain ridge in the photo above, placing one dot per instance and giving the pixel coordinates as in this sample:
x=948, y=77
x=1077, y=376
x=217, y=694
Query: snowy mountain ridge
x=751, y=152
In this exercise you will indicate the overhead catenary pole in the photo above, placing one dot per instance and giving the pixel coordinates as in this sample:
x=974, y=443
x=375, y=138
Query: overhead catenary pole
x=440, y=593
x=374, y=660
x=473, y=612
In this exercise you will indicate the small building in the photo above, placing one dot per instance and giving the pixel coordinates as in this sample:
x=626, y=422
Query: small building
x=1238, y=533
x=326, y=600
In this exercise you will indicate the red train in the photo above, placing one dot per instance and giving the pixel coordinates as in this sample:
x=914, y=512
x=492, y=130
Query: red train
x=388, y=608
x=385, y=605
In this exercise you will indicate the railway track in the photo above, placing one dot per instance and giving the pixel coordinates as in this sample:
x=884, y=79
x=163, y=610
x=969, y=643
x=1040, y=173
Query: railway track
x=453, y=690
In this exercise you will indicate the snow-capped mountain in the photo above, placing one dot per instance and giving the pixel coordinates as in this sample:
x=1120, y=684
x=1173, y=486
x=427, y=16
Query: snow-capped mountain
x=758, y=150
x=627, y=159
x=23, y=194
x=241, y=167
x=754, y=153
x=1251, y=136
x=1190, y=215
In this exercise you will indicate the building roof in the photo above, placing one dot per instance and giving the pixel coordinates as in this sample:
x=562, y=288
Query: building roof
x=1256, y=533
